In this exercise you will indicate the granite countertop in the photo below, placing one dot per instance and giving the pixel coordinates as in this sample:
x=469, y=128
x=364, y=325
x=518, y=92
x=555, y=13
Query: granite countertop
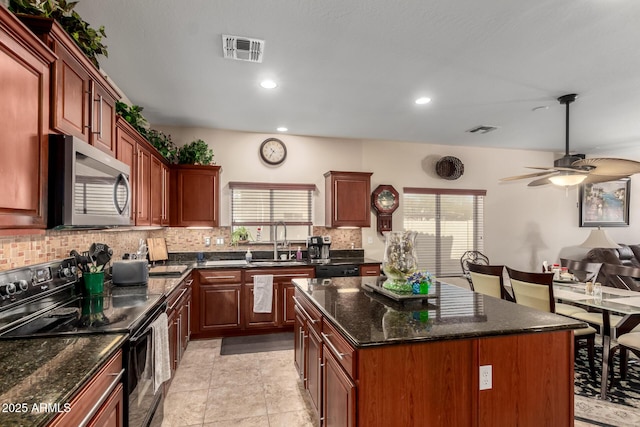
x=48, y=371
x=368, y=318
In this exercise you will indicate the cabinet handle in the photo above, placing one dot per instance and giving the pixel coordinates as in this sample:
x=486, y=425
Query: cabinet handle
x=238, y=292
x=189, y=282
x=331, y=346
x=103, y=398
x=177, y=300
x=309, y=318
x=217, y=277
x=178, y=327
x=99, y=101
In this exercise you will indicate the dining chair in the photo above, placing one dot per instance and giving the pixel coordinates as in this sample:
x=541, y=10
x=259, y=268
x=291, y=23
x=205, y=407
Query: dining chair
x=475, y=257
x=629, y=342
x=582, y=270
x=535, y=290
x=488, y=280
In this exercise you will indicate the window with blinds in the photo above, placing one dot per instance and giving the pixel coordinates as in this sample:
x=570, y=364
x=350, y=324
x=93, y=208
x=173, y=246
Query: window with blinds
x=449, y=222
x=259, y=206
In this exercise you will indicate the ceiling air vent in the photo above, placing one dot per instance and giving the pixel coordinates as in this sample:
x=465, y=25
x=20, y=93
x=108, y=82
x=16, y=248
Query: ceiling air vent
x=242, y=48
x=482, y=129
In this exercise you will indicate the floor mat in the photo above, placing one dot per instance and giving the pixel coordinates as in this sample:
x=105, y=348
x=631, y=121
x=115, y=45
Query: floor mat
x=257, y=343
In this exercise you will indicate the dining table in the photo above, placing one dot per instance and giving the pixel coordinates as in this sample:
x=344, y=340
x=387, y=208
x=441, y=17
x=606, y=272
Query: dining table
x=621, y=302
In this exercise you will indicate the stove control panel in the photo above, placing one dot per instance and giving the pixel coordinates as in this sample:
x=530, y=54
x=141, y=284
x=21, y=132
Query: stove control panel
x=26, y=282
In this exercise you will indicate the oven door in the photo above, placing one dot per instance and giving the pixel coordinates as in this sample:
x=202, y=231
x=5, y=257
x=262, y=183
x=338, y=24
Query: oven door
x=144, y=406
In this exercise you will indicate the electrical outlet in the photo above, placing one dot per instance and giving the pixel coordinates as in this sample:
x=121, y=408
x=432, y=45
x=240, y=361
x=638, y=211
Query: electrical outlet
x=370, y=240
x=220, y=241
x=486, y=374
x=207, y=241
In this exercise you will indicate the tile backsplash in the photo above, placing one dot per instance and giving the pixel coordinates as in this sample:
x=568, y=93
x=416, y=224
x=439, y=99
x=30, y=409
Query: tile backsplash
x=19, y=251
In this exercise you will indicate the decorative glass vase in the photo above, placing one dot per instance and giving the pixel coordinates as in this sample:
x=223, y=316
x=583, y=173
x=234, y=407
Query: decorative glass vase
x=400, y=260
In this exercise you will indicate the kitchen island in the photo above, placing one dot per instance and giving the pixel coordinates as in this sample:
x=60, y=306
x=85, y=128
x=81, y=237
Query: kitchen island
x=368, y=360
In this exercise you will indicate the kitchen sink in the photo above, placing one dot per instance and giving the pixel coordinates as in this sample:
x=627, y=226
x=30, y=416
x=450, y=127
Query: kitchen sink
x=226, y=263
x=276, y=263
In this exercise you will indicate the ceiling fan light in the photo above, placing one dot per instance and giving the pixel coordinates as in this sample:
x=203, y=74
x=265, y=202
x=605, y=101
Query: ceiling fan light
x=567, y=179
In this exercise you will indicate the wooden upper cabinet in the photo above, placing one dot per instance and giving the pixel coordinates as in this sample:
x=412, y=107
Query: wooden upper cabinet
x=159, y=192
x=143, y=185
x=126, y=152
x=347, y=199
x=24, y=124
x=195, y=193
x=82, y=101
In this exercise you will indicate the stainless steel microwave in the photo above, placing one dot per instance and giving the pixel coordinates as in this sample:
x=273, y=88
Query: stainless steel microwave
x=87, y=187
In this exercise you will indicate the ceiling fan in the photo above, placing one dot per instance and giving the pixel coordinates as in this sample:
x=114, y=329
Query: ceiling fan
x=575, y=169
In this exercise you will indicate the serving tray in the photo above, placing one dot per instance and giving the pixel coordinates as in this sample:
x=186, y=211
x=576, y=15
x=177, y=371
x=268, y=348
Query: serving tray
x=400, y=297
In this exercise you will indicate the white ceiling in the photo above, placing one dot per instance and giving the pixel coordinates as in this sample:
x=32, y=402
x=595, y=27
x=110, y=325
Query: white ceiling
x=354, y=68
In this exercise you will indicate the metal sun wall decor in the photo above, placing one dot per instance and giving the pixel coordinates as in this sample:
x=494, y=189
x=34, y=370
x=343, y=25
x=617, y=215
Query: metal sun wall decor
x=605, y=204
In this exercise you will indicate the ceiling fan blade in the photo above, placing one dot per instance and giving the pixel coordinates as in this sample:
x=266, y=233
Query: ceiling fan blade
x=592, y=179
x=539, y=168
x=610, y=166
x=529, y=175
x=539, y=182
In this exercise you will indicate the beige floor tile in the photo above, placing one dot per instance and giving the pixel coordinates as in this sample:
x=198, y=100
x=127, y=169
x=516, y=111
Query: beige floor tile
x=232, y=375
x=204, y=344
x=261, y=421
x=189, y=378
x=283, y=396
x=185, y=408
x=199, y=356
x=227, y=403
x=291, y=419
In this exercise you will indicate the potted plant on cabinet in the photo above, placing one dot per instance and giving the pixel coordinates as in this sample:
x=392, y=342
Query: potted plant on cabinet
x=195, y=153
x=87, y=38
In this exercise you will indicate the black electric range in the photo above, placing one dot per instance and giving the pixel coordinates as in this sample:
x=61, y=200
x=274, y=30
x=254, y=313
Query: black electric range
x=48, y=300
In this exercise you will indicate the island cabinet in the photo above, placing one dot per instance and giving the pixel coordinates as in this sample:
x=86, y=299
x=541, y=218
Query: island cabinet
x=83, y=101
x=433, y=380
x=282, y=312
x=179, y=321
x=216, y=303
x=100, y=403
x=24, y=109
x=347, y=199
x=195, y=192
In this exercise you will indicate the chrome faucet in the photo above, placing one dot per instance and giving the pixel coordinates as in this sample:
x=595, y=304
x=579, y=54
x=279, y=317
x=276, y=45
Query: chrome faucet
x=275, y=238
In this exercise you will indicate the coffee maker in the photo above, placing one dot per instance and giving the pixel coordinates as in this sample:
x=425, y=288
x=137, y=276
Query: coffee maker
x=318, y=248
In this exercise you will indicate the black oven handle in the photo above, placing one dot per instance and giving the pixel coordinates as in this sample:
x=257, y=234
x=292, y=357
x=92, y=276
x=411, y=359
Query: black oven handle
x=102, y=398
x=147, y=324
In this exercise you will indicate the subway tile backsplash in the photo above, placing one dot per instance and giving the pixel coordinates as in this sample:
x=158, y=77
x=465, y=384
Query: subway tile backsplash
x=19, y=251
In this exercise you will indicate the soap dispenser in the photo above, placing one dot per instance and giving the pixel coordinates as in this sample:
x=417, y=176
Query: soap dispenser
x=299, y=254
x=248, y=256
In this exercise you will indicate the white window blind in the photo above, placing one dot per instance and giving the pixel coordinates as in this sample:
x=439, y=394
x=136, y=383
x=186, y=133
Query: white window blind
x=261, y=205
x=449, y=222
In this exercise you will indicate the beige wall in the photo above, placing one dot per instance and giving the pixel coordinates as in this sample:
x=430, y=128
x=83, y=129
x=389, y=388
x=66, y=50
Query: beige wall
x=523, y=225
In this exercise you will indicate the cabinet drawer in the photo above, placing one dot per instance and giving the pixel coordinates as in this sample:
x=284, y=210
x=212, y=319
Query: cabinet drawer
x=339, y=347
x=370, y=270
x=281, y=275
x=311, y=314
x=87, y=402
x=212, y=277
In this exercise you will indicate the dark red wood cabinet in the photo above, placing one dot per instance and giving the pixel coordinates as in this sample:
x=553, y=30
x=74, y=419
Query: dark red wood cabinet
x=195, y=192
x=347, y=199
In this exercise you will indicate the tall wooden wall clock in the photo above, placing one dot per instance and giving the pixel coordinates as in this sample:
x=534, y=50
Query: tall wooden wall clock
x=384, y=200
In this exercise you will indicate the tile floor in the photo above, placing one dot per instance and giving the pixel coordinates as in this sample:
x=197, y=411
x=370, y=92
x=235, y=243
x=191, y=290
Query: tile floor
x=262, y=390
x=245, y=390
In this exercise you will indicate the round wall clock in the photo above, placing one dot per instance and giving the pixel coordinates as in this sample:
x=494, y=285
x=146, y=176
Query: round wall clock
x=273, y=151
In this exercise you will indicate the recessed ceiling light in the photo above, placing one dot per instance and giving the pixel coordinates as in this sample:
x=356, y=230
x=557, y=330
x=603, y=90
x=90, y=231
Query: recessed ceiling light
x=282, y=129
x=268, y=84
x=423, y=100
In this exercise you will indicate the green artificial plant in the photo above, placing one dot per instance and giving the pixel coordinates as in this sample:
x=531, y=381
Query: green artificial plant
x=195, y=153
x=133, y=115
x=163, y=143
x=87, y=38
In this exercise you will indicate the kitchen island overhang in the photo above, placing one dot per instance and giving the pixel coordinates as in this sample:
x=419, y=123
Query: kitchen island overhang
x=421, y=360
